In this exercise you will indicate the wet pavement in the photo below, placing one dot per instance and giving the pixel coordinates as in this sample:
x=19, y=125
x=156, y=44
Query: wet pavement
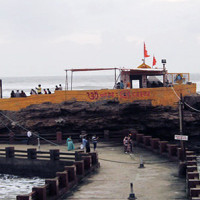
x=158, y=180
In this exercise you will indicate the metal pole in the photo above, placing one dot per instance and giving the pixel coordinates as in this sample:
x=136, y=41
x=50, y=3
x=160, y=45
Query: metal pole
x=66, y=81
x=1, y=89
x=181, y=124
x=71, y=79
x=39, y=144
x=115, y=76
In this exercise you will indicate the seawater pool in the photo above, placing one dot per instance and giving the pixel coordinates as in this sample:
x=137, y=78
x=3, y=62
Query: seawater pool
x=11, y=186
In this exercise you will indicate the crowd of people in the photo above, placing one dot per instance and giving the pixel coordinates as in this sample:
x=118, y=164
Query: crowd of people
x=36, y=91
x=85, y=143
x=17, y=94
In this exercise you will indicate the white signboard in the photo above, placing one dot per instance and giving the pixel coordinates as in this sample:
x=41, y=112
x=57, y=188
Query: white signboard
x=181, y=137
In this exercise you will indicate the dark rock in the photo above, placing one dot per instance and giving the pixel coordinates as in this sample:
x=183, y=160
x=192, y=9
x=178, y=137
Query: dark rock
x=73, y=116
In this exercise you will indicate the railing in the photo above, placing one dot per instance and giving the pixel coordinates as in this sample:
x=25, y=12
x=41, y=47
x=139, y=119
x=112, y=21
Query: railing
x=32, y=153
x=65, y=180
x=187, y=166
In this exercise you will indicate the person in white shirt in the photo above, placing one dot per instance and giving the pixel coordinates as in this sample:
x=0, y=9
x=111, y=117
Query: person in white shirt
x=29, y=135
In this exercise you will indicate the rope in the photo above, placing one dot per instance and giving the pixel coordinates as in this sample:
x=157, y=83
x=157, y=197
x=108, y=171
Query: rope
x=27, y=129
x=184, y=102
x=135, y=163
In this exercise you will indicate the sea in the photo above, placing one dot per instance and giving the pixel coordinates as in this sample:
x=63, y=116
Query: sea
x=13, y=185
x=87, y=81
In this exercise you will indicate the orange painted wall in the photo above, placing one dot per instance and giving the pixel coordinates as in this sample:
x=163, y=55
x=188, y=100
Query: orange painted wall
x=159, y=96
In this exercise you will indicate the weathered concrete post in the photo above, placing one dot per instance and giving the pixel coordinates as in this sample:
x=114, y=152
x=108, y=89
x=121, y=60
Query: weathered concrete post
x=63, y=179
x=94, y=156
x=80, y=167
x=32, y=154
x=59, y=137
x=53, y=186
x=71, y=172
x=146, y=139
x=163, y=146
x=10, y=152
x=11, y=137
x=23, y=197
x=139, y=138
x=106, y=134
x=54, y=154
x=87, y=162
x=155, y=144
x=40, y=192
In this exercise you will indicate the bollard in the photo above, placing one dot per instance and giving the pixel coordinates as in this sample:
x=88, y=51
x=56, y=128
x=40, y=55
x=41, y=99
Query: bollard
x=131, y=195
x=59, y=137
x=38, y=144
x=141, y=163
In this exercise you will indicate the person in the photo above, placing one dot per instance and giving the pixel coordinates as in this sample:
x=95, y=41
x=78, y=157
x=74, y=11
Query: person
x=29, y=135
x=70, y=144
x=87, y=145
x=118, y=85
x=17, y=94
x=56, y=88
x=60, y=87
x=49, y=92
x=33, y=92
x=128, y=85
x=125, y=142
x=121, y=84
x=131, y=141
x=12, y=94
x=45, y=92
x=84, y=141
x=94, y=141
x=22, y=94
x=129, y=146
x=39, y=89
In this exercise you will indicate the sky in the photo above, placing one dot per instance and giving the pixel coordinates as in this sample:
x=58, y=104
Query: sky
x=39, y=38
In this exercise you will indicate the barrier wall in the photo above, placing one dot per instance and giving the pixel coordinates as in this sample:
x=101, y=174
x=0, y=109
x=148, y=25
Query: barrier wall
x=64, y=180
x=187, y=161
x=163, y=96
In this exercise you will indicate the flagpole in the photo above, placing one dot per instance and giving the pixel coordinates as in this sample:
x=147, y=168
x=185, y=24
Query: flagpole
x=144, y=53
x=152, y=62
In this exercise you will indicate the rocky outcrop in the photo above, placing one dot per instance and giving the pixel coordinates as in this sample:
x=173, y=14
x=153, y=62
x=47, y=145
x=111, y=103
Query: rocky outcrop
x=75, y=116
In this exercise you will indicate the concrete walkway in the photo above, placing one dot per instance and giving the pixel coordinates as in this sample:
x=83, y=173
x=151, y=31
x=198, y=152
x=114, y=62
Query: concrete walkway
x=157, y=181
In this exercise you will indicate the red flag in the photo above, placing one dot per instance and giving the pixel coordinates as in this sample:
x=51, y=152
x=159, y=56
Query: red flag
x=154, y=61
x=145, y=52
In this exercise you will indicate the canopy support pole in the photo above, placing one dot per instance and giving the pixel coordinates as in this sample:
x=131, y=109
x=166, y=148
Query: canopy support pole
x=71, y=79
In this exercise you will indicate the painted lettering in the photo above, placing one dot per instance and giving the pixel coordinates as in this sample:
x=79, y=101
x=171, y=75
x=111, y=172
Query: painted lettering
x=93, y=95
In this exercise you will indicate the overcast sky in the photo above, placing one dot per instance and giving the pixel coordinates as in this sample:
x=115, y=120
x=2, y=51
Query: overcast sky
x=45, y=37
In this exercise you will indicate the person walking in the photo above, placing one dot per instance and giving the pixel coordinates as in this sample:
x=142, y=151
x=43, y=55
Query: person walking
x=94, y=141
x=70, y=144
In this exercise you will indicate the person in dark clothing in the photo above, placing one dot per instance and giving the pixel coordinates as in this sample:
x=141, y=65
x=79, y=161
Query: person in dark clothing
x=12, y=94
x=94, y=141
x=45, y=92
x=87, y=145
x=22, y=94
x=49, y=92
